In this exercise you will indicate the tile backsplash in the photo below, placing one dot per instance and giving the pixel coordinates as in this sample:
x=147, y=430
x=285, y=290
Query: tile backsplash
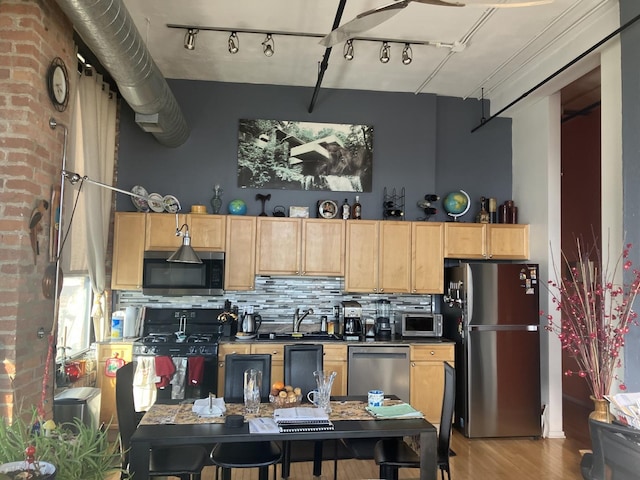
x=276, y=298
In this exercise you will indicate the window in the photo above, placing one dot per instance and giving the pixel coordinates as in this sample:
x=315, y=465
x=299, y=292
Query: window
x=74, y=320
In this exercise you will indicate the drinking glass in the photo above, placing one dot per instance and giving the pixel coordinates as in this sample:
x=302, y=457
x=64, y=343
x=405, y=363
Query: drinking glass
x=252, y=388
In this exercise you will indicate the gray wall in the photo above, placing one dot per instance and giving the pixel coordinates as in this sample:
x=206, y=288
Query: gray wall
x=630, y=40
x=421, y=142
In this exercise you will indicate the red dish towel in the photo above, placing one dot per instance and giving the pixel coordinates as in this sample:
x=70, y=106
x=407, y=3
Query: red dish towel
x=164, y=370
x=195, y=370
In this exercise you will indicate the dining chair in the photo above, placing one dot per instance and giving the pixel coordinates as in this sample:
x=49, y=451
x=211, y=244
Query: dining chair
x=391, y=454
x=183, y=462
x=300, y=361
x=248, y=454
x=615, y=449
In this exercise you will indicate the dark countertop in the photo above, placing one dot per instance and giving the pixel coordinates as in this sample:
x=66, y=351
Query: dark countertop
x=393, y=341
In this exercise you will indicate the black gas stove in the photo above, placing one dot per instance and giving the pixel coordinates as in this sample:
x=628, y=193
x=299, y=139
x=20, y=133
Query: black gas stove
x=180, y=332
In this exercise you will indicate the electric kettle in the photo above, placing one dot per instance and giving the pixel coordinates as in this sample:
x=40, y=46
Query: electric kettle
x=251, y=323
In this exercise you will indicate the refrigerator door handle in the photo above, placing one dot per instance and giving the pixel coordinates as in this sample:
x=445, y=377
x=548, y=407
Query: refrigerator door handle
x=468, y=295
x=493, y=328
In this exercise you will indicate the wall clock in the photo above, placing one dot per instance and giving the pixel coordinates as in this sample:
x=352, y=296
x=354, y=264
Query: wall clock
x=58, y=84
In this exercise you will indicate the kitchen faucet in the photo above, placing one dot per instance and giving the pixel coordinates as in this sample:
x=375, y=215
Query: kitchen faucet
x=297, y=319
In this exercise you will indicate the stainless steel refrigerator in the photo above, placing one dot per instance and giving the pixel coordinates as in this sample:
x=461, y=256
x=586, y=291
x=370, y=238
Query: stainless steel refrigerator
x=491, y=311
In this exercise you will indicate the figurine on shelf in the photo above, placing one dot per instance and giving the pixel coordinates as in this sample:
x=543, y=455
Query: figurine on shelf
x=216, y=200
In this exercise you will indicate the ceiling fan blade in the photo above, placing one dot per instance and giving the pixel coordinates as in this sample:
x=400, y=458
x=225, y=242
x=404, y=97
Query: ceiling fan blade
x=363, y=22
x=443, y=3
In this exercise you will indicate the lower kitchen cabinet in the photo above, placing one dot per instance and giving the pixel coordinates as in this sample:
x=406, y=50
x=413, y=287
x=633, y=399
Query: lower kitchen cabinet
x=225, y=349
x=427, y=377
x=276, y=350
x=335, y=360
x=107, y=385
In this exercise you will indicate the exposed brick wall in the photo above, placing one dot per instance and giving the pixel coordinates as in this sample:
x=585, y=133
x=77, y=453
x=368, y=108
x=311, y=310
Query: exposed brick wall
x=32, y=33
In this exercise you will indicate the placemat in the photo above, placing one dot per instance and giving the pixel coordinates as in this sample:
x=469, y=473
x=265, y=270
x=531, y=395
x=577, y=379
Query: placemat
x=181, y=414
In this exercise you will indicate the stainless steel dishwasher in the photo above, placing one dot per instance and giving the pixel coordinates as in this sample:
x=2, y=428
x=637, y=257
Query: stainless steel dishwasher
x=381, y=367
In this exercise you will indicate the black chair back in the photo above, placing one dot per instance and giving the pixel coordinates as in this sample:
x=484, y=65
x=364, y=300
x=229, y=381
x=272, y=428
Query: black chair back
x=615, y=448
x=300, y=361
x=234, y=367
x=448, y=405
x=128, y=419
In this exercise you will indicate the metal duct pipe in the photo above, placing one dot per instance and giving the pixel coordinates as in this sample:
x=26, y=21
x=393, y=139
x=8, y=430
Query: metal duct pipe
x=109, y=31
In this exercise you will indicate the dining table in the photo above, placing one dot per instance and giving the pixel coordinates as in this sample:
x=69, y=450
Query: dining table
x=168, y=425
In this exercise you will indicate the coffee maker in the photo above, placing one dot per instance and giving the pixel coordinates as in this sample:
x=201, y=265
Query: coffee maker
x=383, y=319
x=352, y=313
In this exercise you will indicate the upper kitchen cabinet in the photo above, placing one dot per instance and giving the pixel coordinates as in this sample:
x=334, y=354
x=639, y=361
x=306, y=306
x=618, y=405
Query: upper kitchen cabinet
x=240, y=256
x=378, y=257
x=294, y=246
x=486, y=241
x=128, y=250
x=427, y=253
x=207, y=232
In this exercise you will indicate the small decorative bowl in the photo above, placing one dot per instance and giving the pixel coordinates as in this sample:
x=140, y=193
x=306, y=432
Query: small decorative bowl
x=285, y=402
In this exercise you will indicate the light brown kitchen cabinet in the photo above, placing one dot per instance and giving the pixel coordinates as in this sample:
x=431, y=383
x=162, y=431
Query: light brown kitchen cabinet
x=294, y=246
x=427, y=257
x=427, y=377
x=207, y=232
x=361, y=256
x=240, y=253
x=394, y=257
x=486, y=241
x=107, y=385
x=128, y=250
x=276, y=350
x=335, y=360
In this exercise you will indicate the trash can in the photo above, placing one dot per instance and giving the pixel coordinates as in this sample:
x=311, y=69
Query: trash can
x=82, y=403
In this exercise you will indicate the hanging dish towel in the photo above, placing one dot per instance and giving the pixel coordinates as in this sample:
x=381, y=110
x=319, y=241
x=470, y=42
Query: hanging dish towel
x=195, y=370
x=144, y=384
x=164, y=371
x=177, y=382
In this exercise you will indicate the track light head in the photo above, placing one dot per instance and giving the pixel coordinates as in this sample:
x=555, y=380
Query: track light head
x=407, y=54
x=234, y=43
x=190, y=39
x=348, y=50
x=385, y=53
x=268, y=46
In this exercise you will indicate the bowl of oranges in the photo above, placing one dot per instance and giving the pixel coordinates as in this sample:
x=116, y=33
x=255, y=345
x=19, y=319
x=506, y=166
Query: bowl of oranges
x=285, y=396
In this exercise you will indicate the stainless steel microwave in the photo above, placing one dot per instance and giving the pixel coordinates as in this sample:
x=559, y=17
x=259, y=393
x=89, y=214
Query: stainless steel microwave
x=160, y=277
x=421, y=324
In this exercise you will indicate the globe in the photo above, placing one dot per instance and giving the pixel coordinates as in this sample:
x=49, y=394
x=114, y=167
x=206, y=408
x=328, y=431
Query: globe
x=237, y=207
x=456, y=204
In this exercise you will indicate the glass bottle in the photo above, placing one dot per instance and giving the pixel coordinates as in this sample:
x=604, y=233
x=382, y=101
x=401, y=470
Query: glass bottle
x=357, y=209
x=346, y=210
x=483, y=214
x=216, y=201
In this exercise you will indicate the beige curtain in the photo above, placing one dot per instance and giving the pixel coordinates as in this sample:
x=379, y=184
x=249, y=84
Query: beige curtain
x=92, y=148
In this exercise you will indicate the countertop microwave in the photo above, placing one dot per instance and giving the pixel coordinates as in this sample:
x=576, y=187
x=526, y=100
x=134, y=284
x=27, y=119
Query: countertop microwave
x=421, y=324
x=160, y=277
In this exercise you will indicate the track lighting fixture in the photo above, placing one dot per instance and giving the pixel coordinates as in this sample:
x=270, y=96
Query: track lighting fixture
x=407, y=54
x=190, y=39
x=348, y=50
x=234, y=43
x=385, y=53
x=268, y=46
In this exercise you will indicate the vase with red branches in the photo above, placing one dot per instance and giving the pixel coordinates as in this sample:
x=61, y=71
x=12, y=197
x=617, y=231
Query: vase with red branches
x=594, y=301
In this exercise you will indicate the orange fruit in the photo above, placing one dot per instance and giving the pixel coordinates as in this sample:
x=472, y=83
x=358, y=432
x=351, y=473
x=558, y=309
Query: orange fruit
x=278, y=385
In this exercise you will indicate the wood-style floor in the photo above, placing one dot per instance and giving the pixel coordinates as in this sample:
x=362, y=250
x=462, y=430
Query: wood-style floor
x=497, y=459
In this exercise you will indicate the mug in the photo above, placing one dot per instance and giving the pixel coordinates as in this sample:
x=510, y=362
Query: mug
x=320, y=399
x=376, y=398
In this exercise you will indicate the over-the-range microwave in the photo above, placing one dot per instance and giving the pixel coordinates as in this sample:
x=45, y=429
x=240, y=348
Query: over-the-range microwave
x=421, y=324
x=160, y=277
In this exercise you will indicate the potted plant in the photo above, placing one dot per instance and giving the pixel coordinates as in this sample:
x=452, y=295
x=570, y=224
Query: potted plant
x=595, y=313
x=74, y=451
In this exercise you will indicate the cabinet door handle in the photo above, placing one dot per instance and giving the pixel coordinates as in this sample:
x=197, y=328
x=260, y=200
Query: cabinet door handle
x=413, y=364
x=275, y=352
x=432, y=353
x=221, y=365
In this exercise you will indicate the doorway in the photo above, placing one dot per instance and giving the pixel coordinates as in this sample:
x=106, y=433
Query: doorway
x=581, y=213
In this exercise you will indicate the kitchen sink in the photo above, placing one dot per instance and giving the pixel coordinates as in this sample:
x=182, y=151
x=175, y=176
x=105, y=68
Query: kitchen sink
x=306, y=336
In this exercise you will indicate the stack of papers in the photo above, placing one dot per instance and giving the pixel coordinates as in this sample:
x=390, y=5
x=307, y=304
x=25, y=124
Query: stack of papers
x=209, y=407
x=302, y=419
x=626, y=408
x=402, y=410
